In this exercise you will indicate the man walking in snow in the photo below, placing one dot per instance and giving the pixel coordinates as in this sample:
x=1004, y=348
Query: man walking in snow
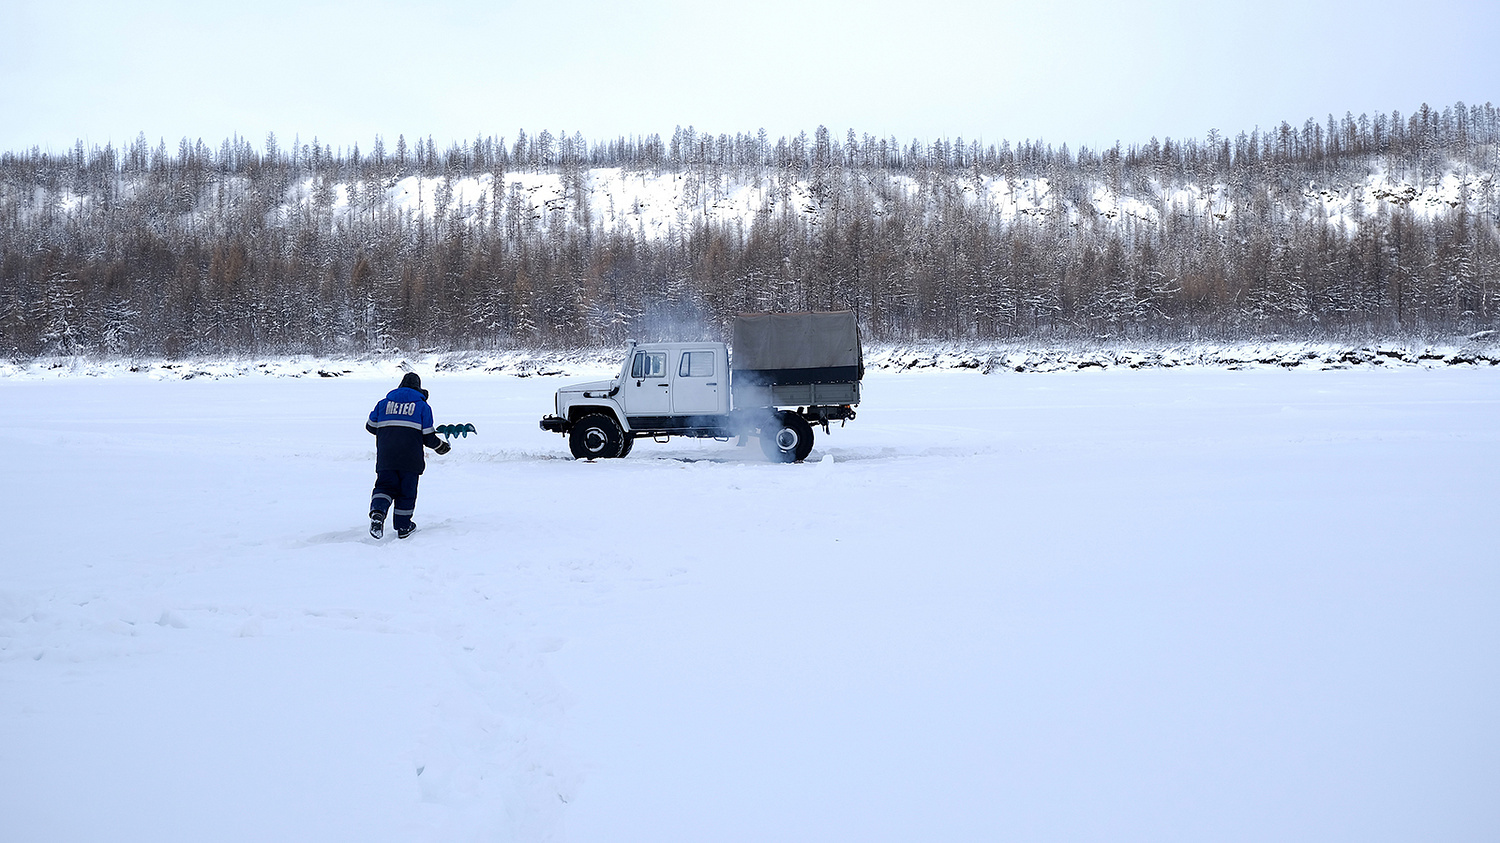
x=402, y=424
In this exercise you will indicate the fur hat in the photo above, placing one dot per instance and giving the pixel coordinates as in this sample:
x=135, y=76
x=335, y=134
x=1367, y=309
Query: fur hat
x=412, y=381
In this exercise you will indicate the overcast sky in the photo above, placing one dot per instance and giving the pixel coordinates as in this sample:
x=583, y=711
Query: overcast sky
x=1084, y=72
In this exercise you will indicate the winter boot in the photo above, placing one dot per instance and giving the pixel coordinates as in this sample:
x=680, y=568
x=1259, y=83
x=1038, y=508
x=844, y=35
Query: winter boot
x=403, y=532
x=377, y=523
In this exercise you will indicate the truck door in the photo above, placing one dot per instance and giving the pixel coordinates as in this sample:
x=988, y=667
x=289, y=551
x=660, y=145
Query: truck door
x=648, y=391
x=696, y=383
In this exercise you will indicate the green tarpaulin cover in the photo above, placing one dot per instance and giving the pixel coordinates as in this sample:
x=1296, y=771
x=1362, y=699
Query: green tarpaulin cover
x=797, y=341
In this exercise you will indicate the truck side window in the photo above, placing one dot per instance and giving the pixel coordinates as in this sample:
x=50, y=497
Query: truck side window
x=696, y=364
x=649, y=364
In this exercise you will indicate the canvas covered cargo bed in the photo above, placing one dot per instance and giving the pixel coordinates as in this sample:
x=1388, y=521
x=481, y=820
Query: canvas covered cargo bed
x=784, y=359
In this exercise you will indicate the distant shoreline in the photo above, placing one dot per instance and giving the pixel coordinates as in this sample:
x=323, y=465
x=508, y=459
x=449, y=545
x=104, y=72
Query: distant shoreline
x=984, y=358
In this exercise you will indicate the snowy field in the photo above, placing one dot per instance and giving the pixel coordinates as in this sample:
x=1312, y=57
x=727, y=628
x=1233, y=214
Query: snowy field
x=1165, y=605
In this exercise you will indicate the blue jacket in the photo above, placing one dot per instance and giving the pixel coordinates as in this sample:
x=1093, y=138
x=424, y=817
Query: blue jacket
x=402, y=424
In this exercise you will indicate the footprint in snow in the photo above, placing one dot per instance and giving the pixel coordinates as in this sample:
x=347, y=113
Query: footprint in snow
x=338, y=537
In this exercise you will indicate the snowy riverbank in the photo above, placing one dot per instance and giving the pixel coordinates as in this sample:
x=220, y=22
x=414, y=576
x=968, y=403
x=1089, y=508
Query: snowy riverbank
x=1480, y=350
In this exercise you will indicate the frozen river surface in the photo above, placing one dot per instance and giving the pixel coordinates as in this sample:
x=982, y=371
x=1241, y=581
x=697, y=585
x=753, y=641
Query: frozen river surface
x=1126, y=606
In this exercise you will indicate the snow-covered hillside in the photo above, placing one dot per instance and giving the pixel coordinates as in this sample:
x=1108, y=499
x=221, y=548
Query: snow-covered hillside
x=1192, y=603
x=662, y=204
x=1362, y=229
x=658, y=205
x=655, y=205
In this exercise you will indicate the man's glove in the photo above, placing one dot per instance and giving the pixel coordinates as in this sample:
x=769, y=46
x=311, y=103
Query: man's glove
x=442, y=448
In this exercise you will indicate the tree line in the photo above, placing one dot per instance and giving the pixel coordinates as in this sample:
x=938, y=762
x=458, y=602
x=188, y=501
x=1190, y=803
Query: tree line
x=300, y=247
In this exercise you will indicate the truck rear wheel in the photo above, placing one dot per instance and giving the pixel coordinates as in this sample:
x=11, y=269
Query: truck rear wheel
x=788, y=439
x=596, y=437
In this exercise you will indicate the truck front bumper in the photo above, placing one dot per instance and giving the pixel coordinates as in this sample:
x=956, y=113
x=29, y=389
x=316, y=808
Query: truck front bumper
x=556, y=424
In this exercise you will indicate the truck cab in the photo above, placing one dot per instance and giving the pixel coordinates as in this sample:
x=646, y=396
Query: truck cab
x=675, y=384
x=662, y=389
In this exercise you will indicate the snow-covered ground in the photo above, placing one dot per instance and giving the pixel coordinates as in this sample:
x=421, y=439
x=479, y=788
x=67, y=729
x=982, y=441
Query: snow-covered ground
x=1173, y=604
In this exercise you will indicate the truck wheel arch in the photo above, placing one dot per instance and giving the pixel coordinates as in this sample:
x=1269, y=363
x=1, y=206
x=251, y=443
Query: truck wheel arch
x=576, y=414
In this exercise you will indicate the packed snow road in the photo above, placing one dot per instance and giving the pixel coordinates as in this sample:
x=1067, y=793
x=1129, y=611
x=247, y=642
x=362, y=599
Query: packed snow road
x=1163, y=605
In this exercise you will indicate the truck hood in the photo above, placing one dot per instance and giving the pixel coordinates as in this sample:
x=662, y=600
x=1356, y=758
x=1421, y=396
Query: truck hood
x=591, y=386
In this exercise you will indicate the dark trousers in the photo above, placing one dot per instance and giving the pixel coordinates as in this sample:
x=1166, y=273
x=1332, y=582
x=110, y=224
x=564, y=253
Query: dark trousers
x=395, y=491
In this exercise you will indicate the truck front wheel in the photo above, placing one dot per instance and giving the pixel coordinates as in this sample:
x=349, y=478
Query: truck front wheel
x=596, y=437
x=788, y=439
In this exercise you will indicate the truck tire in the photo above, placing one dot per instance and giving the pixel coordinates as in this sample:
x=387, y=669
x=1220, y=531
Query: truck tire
x=628, y=443
x=788, y=439
x=596, y=437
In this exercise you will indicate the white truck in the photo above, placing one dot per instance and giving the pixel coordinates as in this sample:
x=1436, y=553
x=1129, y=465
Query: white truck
x=789, y=372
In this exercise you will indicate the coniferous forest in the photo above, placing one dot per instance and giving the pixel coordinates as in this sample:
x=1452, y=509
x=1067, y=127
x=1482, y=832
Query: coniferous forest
x=1368, y=226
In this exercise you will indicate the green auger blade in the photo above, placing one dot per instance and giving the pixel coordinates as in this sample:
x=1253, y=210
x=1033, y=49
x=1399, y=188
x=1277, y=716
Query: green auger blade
x=448, y=430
